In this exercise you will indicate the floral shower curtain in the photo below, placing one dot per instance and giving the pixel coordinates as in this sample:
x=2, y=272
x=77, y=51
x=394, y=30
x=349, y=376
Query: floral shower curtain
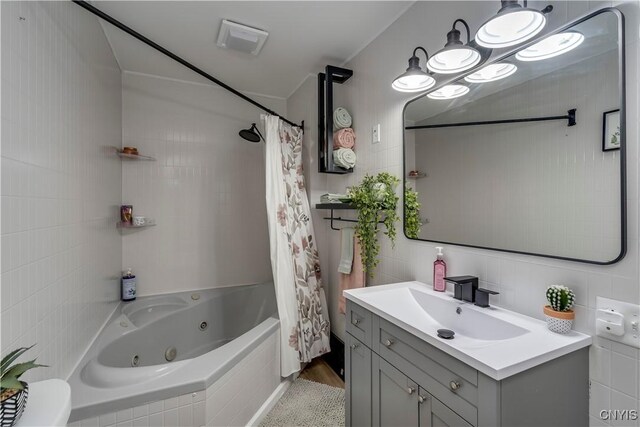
x=304, y=322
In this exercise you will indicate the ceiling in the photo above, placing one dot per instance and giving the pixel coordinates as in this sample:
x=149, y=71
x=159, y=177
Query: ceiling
x=304, y=36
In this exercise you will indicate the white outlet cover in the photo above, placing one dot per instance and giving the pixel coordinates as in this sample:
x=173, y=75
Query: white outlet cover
x=631, y=322
x=375, y=134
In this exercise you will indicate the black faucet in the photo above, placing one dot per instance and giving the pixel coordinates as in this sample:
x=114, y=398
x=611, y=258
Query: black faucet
x=464, y=287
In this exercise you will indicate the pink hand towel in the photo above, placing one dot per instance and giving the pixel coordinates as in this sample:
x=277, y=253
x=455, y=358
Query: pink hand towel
x=354, y=280
x=344, y=138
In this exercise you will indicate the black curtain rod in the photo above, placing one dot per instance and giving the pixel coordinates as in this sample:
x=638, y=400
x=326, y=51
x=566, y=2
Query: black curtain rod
x=176, y=58
x=570, y=118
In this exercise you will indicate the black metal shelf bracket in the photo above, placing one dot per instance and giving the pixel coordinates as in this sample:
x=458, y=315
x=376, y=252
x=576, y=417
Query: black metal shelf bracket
x=325, y=117
x=333, y=218
x=570, y=117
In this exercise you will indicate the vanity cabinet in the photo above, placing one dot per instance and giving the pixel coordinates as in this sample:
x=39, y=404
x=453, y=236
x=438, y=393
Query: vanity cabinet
x=394, y=378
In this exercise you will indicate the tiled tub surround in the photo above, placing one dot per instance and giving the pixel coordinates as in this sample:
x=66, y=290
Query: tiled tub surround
x=61, y=186
x=238, y=322
x=521, y=280
x=206, y=189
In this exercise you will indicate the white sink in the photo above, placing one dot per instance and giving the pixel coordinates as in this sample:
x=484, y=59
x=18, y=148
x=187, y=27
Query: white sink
x=449, y=314
x=495, y=341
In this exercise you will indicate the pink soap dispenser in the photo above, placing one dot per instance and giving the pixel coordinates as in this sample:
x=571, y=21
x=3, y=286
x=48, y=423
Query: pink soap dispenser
x=439, y=272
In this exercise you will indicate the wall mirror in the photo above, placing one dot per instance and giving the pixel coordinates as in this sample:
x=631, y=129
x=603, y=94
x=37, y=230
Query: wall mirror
x=528, y=155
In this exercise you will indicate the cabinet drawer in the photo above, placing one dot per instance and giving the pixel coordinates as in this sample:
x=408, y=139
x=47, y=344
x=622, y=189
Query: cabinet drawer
x=449, y=380
x=358, y=322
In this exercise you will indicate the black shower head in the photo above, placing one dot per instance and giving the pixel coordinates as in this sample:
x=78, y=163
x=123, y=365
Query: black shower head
x=252, y=134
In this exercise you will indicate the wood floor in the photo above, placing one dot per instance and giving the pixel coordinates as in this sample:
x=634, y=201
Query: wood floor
x=319, y=371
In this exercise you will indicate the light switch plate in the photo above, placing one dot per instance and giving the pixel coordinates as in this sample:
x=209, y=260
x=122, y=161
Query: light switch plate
x=375, y=134
x=631, y=313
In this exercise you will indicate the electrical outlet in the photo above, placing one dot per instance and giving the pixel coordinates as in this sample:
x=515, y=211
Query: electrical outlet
x=375, y=134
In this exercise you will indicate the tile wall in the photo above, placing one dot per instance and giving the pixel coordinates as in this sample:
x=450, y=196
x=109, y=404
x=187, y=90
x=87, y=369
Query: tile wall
x=60, y=182
x=521, y=280
x=205, y=191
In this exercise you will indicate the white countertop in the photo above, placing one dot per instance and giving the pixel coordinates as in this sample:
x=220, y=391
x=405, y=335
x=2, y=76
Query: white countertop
x=48, y=404
x=497, y=358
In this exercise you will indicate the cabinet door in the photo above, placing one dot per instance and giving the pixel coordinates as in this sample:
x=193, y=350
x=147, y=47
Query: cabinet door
x=358, y=383
x=395, y=402
x=434, y=413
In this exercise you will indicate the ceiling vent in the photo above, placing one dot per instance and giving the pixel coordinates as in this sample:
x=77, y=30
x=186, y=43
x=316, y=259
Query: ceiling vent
x=241, y=37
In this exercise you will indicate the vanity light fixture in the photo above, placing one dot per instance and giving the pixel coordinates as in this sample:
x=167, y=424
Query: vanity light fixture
x=551, y=46
x=492, y=72
x=455, y=56
x=414, y=79
x=449, y=92
x=512, y=25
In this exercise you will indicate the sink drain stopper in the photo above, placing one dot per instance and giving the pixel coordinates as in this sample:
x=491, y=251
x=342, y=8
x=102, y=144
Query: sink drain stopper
x=446, y=334
x=135, y=360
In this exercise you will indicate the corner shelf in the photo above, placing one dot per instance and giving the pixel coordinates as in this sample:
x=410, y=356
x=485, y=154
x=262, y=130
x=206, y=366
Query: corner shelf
x=134, y=156
x=124, y=226
x=419, y=176
x=325, y=117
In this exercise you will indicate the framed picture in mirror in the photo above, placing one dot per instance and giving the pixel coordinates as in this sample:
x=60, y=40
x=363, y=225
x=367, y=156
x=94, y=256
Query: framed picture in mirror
x=611, y=130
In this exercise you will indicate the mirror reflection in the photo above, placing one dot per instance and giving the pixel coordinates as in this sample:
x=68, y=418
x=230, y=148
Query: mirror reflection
x=524, y=154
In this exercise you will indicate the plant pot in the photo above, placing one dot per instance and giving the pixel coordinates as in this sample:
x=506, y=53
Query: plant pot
x=13, y=405
x=560, y=322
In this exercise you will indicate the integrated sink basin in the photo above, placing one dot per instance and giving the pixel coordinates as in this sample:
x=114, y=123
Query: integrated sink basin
x=495, y=341
x=474, y=324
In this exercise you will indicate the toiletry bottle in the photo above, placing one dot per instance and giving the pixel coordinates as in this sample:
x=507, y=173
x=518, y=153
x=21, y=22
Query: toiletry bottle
x=439, y=272
x=128, y=286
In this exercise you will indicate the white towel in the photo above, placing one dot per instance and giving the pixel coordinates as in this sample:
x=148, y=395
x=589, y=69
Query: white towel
x=344, y=157
x=346, y=257
x=341, y=118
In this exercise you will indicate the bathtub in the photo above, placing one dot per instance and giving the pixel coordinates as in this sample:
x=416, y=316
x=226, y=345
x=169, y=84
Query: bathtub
x=161, y=347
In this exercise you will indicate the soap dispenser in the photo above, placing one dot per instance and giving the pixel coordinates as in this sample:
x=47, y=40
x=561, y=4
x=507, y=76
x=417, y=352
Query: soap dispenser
x=439, y=272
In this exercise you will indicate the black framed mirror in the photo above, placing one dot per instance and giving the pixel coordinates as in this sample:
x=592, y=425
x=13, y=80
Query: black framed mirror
x=529, y=157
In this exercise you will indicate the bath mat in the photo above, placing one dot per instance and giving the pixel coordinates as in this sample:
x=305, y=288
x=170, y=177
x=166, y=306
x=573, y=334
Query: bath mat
x=308, y=404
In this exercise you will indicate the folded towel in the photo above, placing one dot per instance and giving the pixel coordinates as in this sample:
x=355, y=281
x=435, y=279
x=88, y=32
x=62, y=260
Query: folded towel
x=344, y=157
x=334, y=198
x=354, y=280
x=344, y=138
x=346, y=256
x=341, y=118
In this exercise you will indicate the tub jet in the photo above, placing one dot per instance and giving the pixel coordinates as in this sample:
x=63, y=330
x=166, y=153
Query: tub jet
x=170, y=354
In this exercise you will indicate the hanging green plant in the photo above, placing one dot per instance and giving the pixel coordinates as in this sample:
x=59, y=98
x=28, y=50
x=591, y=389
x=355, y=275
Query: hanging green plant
x=376, y=201
x=412, y=222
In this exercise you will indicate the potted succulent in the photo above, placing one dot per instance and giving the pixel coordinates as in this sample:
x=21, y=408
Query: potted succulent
x=13, y=392
x=558, y=313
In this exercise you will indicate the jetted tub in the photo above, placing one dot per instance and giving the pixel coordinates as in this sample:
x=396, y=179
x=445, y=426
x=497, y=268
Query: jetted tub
x=159, y=347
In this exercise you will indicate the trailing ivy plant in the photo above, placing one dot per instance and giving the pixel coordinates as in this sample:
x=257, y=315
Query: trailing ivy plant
x=412, y=221
x=376, y=201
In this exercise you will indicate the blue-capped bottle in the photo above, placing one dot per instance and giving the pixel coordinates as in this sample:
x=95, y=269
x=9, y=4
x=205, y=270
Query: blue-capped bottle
x=128, y=292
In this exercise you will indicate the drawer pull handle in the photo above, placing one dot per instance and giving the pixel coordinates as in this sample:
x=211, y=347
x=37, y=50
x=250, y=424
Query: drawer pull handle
x=388, y=342
x=410, y=390
x=421, y=399
x=356, y=321
x=353, y=346
x=454, y=385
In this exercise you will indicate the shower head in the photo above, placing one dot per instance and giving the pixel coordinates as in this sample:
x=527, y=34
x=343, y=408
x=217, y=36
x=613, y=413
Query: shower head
x=252, y=134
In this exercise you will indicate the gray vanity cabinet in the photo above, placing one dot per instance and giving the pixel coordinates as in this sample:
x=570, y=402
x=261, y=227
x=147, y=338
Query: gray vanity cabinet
x=358, y=382
x=394, y=396
x=395, y=379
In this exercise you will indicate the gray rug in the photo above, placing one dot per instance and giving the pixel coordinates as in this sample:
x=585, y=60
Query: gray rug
x=308, y=404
